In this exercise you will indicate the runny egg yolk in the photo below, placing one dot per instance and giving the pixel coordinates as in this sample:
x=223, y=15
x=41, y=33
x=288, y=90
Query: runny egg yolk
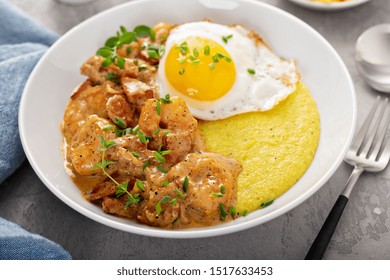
x=200, y=68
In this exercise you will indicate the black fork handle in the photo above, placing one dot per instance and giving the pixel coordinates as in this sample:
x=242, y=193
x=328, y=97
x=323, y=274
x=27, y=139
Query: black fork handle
x=322, y=240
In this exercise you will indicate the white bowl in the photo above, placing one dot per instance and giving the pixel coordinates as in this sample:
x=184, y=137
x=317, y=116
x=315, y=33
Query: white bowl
x=336, y=6
x=57, y=74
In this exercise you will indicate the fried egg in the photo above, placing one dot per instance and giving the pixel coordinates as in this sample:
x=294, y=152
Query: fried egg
x=221, y=71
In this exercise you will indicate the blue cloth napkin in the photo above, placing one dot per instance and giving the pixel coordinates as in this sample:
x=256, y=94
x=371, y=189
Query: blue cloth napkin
x=22, y=43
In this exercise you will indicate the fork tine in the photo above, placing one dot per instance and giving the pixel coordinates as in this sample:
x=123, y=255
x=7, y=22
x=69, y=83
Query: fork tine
x=363, y=130
x=381, y=138
x=368, y=145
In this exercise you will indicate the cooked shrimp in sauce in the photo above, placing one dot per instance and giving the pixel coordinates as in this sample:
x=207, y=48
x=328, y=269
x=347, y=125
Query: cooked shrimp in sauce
x=136, y=152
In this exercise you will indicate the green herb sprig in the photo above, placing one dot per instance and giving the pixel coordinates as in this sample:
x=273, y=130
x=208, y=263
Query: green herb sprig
x=121, y=188
x=225, y=39
x=166, y=100
x=267, y=203
x=123, y=36
x=222, y=212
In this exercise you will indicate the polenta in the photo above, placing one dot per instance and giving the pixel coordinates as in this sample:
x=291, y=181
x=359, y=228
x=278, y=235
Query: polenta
x=275, y=147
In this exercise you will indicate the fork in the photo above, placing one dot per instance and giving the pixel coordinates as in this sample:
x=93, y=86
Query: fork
x=368, y=152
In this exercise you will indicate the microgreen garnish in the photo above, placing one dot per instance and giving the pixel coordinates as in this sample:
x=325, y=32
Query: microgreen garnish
x=212, y=66
x=165, y=199
x=195, y=61
x=216, y=194
x=155, y=52
x=121, y=188
x=119, y=132
x=245, y=213
x=159, y=157
x=152, y=54
x=195, y=52
x=182, y=59
x=141, y=137
x=174, y=201
x=119, y=122
x=206, y=50
x=135, y=130
x=232, y=211
x=161, y=169
x=179, y=193
x=164, y=153
x=140, y=185
x=146, y=164
x=167, y=131
x=223, y=189
x=166, y=99
x=108, y=52
x=135, y=154
x=181, y=71
x=161, y=50
x=110, y=77
x=165, y=183
x=222, y=212
x=157, y=131
x=251, y=71
x=133, y=199
x=219, y=56
x=144, y=31
x=106, y=144
x=183, y=47
x=228, y=59
x=185, y=184
x=225, y=39
x=267, y=203
x=142, y=67
x=109, y=127
x=158, y=106
x=112, y=44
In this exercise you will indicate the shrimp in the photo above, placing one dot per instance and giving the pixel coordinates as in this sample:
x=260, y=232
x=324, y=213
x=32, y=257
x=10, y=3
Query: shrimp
x=129, y=50
x=118, y=107
x=97, y=73
x=84, y=150
x=136, y=91
x=172, y=126
x=211, y=183
x=161, y=31
x=85, y=101
x=162, y=196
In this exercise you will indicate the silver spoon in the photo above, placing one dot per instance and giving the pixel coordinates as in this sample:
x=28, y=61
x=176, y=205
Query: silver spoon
x=372, y=55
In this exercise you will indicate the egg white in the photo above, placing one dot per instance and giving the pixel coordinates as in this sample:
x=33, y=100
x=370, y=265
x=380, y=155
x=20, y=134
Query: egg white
x=273, y=81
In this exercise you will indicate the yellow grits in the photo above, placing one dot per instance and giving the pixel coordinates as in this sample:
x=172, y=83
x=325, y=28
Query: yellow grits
x=274, y=147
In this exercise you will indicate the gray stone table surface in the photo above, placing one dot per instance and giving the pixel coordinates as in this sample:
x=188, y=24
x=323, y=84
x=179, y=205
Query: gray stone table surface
x=363, y=232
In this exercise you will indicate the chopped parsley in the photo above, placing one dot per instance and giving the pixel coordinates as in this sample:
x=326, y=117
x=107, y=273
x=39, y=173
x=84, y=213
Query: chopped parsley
x=251, y=71
x=225, y=39
x=267, y=203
